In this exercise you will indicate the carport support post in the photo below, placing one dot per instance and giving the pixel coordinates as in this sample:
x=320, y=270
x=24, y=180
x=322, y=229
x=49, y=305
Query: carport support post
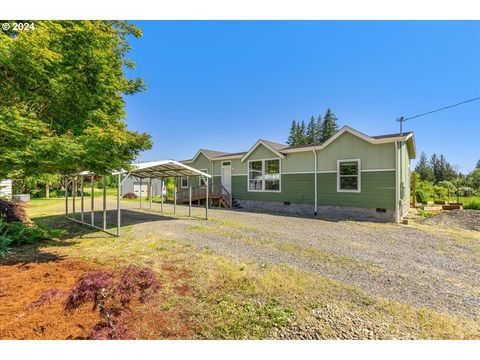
x=161, y=197
x=175, y=196
x=150, y=193
x=189, y=198
x=141, y=192
x=74, y=192
x=206, y=201
x=92, y=200
x=82, y=202
x=104, y=202
x=119, y=191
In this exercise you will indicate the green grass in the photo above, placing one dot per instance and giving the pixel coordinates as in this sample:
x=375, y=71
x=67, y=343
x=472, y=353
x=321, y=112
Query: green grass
x=472, y=204
x=240, y=299
x=425, y=214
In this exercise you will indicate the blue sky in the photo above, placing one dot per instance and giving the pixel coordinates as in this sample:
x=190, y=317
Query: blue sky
x=222, y=85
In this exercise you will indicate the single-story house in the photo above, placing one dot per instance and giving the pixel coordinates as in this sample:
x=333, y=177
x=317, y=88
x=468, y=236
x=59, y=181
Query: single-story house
x=352, y=173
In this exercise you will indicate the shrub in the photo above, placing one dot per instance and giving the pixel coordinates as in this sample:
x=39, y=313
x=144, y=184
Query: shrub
x=17, y=233
x=11, y=212
x=130, y=196
x=472, y=205
x=111, y=295
x=447, y=185
x=422, y=196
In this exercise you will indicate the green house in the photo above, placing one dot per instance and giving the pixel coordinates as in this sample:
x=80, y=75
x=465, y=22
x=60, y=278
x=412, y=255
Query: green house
x=351, y=173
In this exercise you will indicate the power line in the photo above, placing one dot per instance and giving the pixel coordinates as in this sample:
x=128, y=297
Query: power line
x=402, y=119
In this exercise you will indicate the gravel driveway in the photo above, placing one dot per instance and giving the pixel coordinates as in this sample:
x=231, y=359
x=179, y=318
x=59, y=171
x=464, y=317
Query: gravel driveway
x=421, y=264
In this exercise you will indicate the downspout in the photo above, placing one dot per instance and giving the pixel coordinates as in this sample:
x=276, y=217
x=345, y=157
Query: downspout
x=316, y=180
x=400, y=183
x=397, y=217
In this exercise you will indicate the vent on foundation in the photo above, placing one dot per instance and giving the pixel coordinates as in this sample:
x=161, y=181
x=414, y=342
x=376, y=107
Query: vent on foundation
x=286, y=203
x=381, y=210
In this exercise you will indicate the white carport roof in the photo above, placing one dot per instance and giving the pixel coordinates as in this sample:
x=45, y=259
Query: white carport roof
x=163, y=168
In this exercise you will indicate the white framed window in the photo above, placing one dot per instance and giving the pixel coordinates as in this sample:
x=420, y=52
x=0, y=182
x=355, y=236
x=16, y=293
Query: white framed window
x=264, y=175
x=348, y=175
x=201, y=181
x=184, y=182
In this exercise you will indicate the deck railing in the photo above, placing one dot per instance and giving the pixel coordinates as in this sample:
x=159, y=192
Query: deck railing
x=216, y=191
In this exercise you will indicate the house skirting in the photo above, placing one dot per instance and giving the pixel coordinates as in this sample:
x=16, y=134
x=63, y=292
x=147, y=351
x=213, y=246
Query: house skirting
x=323, y=211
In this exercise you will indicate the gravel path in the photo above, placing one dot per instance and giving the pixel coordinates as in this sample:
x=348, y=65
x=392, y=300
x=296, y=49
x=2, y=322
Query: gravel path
x=424, y=265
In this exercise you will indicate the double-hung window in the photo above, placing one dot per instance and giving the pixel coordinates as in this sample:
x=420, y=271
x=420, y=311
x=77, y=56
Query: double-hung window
x=348, y=175
x=184, y=182
x=201, y=180
x=264, y=175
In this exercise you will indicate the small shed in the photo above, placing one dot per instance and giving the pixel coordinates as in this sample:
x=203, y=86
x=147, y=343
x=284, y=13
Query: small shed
x=6, y=188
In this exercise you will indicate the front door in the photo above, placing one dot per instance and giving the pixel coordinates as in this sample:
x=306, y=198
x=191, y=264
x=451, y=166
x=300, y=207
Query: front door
x=227, y=175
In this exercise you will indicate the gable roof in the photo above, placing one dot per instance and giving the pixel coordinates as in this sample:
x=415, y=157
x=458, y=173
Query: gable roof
x=281, y=150
x=270, y=145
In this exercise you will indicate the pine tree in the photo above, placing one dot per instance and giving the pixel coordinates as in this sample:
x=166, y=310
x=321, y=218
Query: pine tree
x=435, y=165
x=318, y=137
x=311, y=132
x=291, y=136
x=423, y=168
x=329, y=126
x=302, y=137
x=478, y=165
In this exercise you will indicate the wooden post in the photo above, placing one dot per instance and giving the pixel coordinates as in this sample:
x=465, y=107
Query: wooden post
x=414, y=189
x=47, y=190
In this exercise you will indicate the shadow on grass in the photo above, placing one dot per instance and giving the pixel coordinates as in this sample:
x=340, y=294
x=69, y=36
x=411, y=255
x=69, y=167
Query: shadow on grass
x=65, y=231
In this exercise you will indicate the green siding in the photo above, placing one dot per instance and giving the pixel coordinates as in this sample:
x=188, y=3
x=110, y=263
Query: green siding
x=297, y=188
x=348, y=146
x=299, y=162
x=261, y=152
x=377, y=191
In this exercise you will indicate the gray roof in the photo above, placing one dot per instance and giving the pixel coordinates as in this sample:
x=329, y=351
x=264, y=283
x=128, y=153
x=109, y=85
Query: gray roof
x=274, y=145
x=392, y=135
x=214, y=153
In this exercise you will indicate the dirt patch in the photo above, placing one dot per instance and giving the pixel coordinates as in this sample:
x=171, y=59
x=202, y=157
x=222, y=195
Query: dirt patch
x=460, y=219
x=22, y=284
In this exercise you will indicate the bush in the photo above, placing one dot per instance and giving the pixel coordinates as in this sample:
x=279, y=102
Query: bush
x=11, y=212
x=17, y=233
x=130, y=196
x=111, y=294
x=472, y=205
x=422, y=196
x=447, y=185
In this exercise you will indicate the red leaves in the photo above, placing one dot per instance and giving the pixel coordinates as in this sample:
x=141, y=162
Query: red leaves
x=111, y=294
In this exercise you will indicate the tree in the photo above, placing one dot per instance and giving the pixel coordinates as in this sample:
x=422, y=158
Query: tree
x=441, y=169
x=318, y=138
x=311, y=132
x=292, y=135
x=423, y=168
x=477, y=166
x=329, y=125
x=62, y=89
x=301, y=134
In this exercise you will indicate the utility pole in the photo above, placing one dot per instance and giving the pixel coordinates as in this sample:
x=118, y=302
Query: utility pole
x=401, y=120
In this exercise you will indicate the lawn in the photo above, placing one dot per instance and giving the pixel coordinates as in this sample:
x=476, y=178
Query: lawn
x=207, y=294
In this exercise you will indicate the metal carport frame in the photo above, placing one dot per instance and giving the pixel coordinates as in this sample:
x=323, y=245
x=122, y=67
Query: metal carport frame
x=151, y=170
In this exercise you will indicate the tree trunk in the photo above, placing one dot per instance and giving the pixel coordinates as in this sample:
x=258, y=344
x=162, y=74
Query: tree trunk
x=47, y=190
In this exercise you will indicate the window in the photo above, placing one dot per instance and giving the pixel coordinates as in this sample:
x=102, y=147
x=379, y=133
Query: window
x=264, y=175
x=226, y=163
x=184, y=182
x=201, y=181
x=348, y=175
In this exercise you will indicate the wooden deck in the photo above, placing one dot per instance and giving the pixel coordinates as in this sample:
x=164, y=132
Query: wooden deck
x=216, y=194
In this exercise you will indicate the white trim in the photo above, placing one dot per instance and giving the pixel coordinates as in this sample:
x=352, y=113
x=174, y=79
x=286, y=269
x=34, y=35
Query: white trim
x=236, y=175
x=181, y=182
x=375, y=170
x=326, y=171
x=359, y=178
x=316, y=181
x=263, y=173
x=228, y=157
x=297, y=172
x=200, y=178
x=397, y=188
x=257, y=144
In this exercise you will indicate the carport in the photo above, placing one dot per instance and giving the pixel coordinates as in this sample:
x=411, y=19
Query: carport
x=141, y=171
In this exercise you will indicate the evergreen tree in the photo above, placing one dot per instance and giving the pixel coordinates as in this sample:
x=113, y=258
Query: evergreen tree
x=478, y=165
x=329, y=126
x=435, y=165
x=318, y=137
x=302, y=137
x=291, y=136
x=423, y=168
x=311, y=132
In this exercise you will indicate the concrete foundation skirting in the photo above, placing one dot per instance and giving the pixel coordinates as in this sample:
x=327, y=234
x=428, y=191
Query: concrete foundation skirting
x=324, y=211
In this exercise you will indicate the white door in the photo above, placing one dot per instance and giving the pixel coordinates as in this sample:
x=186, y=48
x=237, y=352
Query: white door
x=136, y=189
x=227, y=175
